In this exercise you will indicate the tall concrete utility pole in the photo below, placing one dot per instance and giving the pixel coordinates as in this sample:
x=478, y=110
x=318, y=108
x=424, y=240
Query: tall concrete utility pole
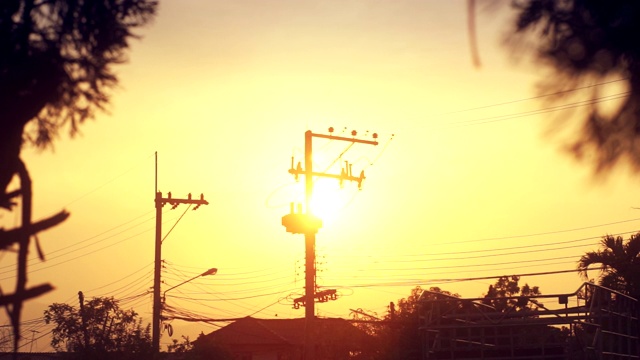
x=308, y=224
x=157, y=304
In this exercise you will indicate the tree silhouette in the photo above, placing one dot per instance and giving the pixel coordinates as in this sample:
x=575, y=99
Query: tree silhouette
x=55, y=71
x=619, y=261
x=506, y=295
x=588, y=42
x=97, y=329
x=402, y=337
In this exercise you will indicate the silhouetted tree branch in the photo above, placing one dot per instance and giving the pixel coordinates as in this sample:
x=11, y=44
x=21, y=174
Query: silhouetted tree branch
x=588, y=42
x=10, y=237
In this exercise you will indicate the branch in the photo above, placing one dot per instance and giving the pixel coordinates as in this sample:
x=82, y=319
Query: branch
x=7, y=238
x=5, y=199
x=26, y=294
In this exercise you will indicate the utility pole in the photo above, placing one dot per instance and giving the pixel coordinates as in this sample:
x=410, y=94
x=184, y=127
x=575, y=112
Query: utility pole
x=308, y=224
x=85, y=331
x=157, y=304
x=33, y=336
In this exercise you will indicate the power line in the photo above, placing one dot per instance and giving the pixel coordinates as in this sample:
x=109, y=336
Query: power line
x=492, y=255
x=497, y=118
x=537, y=97
x=88, y=239
x=553, y=232
x=452, y=280
x=121, y=279
x=176, y=223
x=137, y=165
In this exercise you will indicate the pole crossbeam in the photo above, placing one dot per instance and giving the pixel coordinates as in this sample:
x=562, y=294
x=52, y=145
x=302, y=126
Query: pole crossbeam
x=342, y=176
x=174, y=202
x=333, y=137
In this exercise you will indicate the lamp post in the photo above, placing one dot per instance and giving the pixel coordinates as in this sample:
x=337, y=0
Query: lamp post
x=211, y=271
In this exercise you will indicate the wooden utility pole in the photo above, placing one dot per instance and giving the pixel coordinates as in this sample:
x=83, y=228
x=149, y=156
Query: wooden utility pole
x=157, y=304
x=308, y=224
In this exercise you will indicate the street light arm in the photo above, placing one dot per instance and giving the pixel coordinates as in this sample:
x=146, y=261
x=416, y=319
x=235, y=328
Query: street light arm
x=211, y=271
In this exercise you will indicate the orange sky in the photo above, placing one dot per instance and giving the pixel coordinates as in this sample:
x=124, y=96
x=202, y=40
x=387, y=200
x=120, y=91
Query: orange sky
x=224, y=92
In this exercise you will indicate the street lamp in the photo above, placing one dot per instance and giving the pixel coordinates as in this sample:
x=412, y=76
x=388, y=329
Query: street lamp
x=211, y=271
x=159, y=318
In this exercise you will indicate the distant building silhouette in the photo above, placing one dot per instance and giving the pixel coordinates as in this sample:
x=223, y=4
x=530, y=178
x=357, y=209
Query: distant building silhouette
x=251, y=338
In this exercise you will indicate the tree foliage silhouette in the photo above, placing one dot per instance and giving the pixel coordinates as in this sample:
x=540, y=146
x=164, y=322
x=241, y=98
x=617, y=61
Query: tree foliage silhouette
x=506, y=295
x=588, y=42
x=55, y=71
x=402, y=336
x=56, y=67
x=619, y=261
x=97, y=329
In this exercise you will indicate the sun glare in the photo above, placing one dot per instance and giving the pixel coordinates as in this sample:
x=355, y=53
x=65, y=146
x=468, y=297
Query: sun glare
x=328, y=200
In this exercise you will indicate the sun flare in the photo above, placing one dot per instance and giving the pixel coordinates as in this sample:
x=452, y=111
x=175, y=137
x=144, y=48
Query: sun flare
x=328, y=200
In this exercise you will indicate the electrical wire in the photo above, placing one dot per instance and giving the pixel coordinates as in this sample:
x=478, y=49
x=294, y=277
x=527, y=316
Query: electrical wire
x=454, y=280
x=537, y=97
x=123, y=278
x=491, y=119
x=113, y=179
x=176, y=223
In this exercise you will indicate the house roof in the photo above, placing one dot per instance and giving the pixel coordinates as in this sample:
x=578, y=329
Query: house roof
x=254, y=331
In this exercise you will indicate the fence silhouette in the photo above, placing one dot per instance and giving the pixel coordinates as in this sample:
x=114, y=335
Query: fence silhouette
x=591, y=323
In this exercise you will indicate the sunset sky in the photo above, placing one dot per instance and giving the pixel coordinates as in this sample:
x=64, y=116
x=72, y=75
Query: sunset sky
x=468, y=179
